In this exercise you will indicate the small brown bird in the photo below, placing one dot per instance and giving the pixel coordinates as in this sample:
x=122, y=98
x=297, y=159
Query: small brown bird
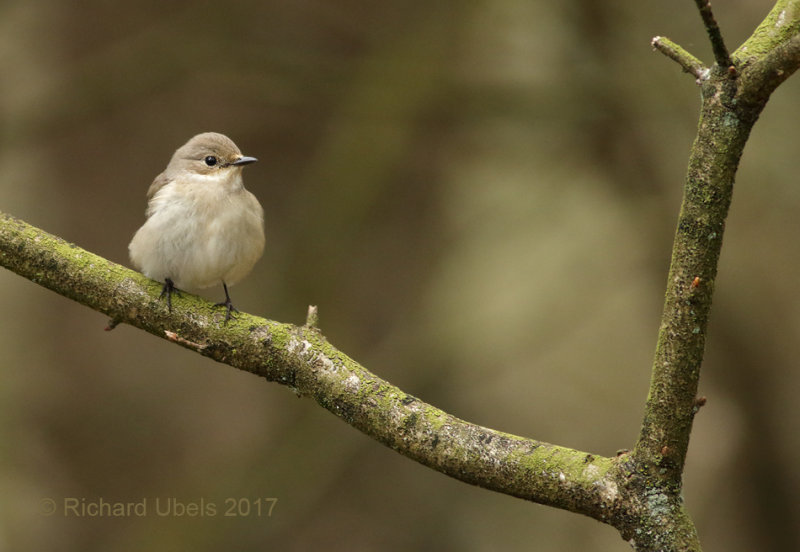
x=203, y=227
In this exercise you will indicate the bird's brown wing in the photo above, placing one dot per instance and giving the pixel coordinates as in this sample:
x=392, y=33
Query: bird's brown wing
x=159, y=182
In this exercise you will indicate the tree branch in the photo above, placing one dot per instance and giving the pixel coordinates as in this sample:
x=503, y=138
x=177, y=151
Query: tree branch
x=721, y=55
x=771, y=54
x=303, y=360
x=732, y=102
x=686, y=60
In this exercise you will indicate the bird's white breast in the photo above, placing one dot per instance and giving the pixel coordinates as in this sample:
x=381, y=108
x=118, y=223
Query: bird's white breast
x=202, y=230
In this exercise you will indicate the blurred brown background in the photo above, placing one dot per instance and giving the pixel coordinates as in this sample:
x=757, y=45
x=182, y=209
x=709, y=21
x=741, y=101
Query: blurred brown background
x=480, y=196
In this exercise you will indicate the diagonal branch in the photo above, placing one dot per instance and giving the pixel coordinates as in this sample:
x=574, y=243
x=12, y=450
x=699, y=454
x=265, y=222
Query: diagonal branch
x=721, y=55
x=772, y=53
x=301, y=358
x=676, y=53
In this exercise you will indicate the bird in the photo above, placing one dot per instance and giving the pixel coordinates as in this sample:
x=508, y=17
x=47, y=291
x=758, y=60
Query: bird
x=202, y=226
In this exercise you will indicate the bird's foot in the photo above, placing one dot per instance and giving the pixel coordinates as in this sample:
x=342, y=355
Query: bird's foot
x=168, y=289
x=230, y=309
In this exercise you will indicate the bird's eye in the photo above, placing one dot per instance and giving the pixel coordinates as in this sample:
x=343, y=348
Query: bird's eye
x=210, y=160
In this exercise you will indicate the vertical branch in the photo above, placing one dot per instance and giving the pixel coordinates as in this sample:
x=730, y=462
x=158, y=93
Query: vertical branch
x=732, y=102
x=672, y=402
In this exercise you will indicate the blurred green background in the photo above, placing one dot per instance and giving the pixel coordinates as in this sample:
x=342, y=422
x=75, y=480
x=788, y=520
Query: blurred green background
x=480, y=197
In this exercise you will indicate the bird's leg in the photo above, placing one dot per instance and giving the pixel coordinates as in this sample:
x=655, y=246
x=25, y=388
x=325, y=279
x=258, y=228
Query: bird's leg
x=168, y=289
x=227, y=304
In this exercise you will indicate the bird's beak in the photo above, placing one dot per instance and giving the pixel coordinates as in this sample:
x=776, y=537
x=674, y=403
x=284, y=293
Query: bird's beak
x=244, y=160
